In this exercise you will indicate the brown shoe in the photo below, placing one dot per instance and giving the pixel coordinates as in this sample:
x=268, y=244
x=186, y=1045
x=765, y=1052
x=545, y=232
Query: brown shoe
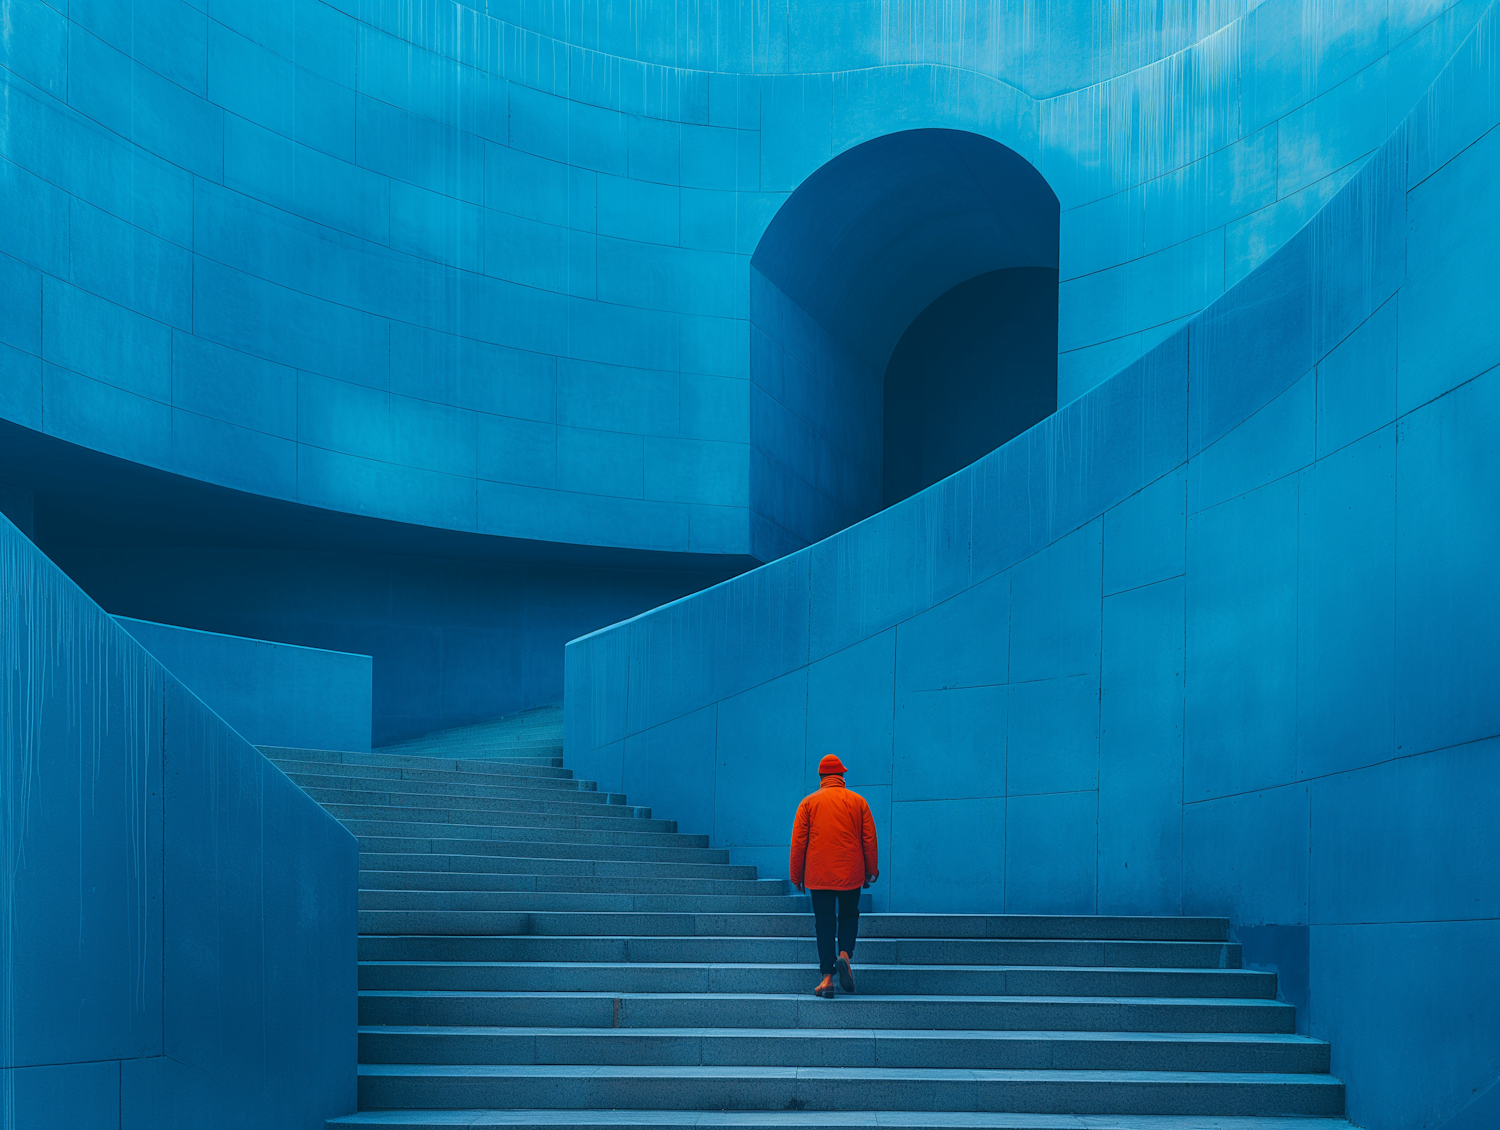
x=825, y=988
x=846, y=975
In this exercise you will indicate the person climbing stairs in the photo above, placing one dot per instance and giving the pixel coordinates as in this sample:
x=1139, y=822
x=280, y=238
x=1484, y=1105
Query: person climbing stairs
x=536, y=952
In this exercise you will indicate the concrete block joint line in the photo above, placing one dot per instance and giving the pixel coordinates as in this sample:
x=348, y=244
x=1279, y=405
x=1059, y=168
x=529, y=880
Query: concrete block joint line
x=517, y=969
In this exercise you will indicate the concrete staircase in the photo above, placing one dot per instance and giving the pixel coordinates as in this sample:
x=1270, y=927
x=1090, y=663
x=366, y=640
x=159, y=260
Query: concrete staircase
x=534, y=952
x=530, y=734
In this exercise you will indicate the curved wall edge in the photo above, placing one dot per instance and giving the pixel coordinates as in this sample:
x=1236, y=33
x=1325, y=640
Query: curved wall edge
x=488, y=281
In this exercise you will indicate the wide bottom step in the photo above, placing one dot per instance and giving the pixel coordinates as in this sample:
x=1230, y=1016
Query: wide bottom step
x=435, y=1086
x=812, y=1120
x=890, y=1047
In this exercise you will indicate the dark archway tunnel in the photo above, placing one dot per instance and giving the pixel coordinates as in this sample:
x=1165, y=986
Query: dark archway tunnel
x=903, y=311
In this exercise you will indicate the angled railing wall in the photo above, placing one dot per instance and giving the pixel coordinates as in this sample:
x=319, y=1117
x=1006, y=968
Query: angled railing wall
x=177, y=919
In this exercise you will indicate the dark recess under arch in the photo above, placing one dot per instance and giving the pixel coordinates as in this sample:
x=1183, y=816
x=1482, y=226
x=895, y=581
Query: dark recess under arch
x=865, y=245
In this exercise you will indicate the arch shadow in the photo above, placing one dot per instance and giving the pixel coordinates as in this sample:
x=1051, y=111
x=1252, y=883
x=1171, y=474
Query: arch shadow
x=903, y=308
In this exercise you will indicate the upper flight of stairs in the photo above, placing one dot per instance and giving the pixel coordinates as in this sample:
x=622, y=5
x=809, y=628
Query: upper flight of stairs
x=532, y=737
x=535, y=952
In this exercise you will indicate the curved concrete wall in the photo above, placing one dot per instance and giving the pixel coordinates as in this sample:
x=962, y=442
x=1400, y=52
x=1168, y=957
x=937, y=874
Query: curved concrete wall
x=1217, y=637
x=491, y=274
x=453, y=642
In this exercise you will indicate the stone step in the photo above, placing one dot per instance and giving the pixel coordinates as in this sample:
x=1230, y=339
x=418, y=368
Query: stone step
x=401, y=825
x=553, y=743
x=541, y=732
x=460, y=807
x=498, y=728
x=389, y=862
x=750, y=1010
x=811, y=1120
x=581, y=901
x=459, y=762
x=447, y=782
x=566, y=884
x=483, y=812
x=282, y=756
x=500, y=757
x=789, y=951
x=801, y=925
x=833, y=1089
x=449, y=786
x=378, y=839
x=543, y=754
x=799, y=1047
x=872, y=980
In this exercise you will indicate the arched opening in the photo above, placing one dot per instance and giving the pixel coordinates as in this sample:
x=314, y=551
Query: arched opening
x=903, y=307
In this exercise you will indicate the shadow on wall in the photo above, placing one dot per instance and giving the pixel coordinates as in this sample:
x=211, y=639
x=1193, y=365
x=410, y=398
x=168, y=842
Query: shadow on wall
x=977, y=368
x=865, y=245
x=462, y=627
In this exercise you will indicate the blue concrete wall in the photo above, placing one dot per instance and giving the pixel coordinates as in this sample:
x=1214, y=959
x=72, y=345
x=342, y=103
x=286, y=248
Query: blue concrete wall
x=1220, y=637
x=270, y=693
x=491, y=272
x=177, y=946
x=453, y=642
x=462, y=628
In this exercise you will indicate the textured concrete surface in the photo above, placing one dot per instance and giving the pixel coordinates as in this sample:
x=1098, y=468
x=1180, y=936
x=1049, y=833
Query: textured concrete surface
x=1216, y=637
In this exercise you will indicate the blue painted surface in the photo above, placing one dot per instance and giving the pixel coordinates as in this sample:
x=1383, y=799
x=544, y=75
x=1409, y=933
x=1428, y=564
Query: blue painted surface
x=179, y=930
x=445, y=335
x=610, y=283
x=404, y=266
x=271, y=694
x=461, y=628
x=453, y=642
x=1217, y=637
x=976, y=368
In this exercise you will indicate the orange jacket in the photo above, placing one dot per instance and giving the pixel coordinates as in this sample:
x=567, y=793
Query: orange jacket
x=833, y=840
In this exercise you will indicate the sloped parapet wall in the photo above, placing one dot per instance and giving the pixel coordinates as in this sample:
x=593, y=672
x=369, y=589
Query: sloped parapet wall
x=273, y=694
x=1219, y=637
x=177, y=919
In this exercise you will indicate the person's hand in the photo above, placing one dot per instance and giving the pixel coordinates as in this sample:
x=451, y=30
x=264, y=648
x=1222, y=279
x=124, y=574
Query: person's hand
x=799, y=886
x=871, y=878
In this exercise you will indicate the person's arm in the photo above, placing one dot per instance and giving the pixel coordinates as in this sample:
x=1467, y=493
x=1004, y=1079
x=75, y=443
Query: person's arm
x=872, y=847
x=800, y=827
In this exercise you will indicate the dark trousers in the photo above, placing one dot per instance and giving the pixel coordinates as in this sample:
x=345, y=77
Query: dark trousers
x=835, y=912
